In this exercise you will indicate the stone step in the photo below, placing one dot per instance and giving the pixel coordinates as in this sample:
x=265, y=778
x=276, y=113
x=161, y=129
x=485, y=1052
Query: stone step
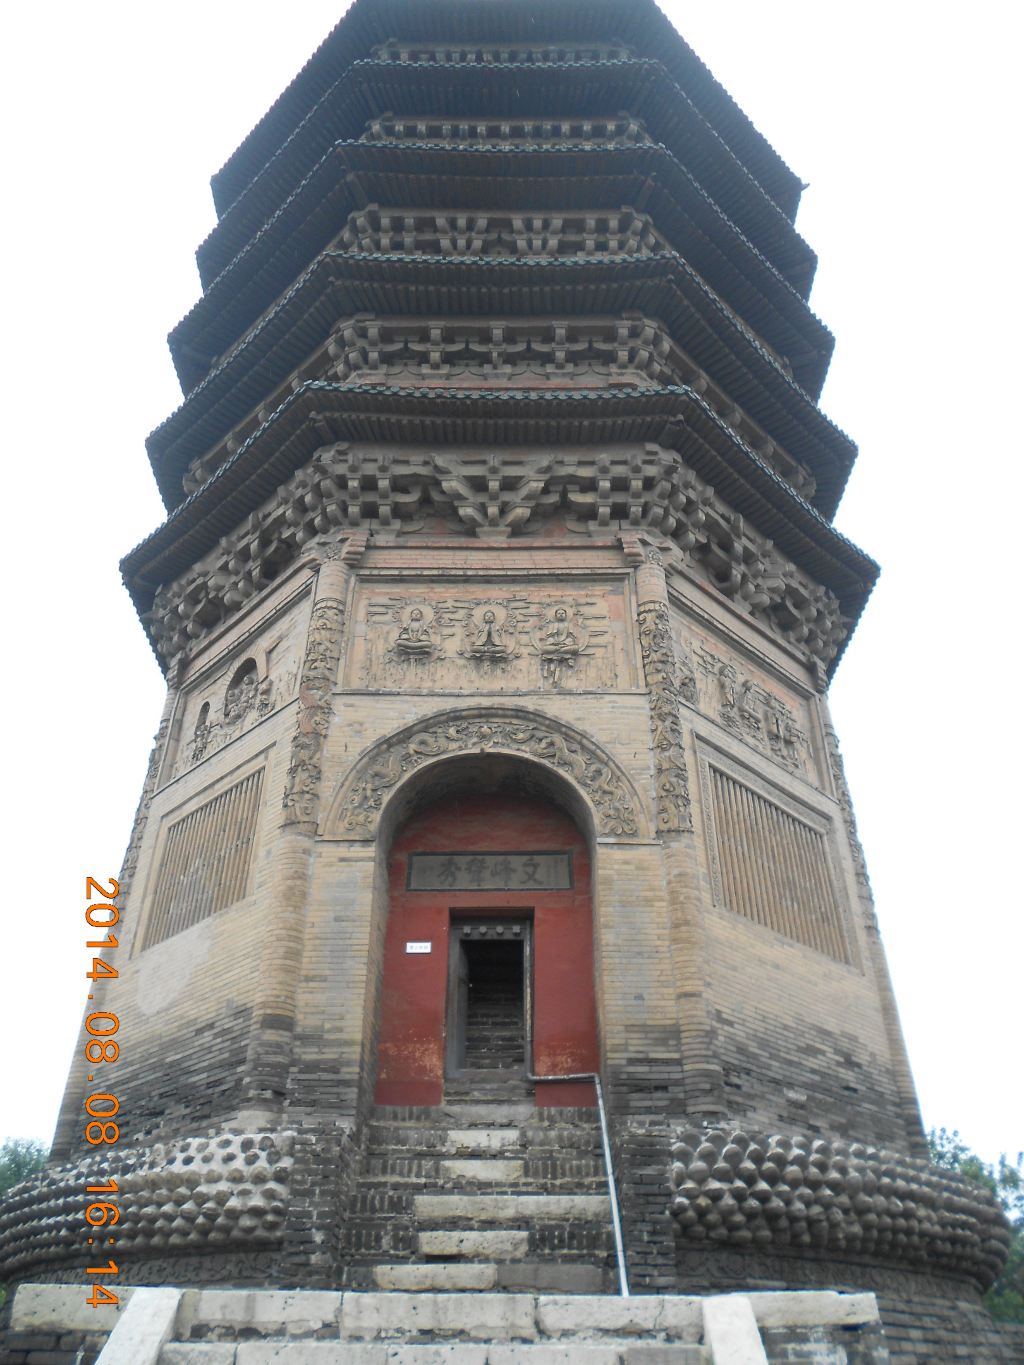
x=505, y=1244
x=437, y=1275
x=470, y=1114
x=397, y=1137
x=517, y=1317
x=511, y=1208
x=458, y=1353
x=483, y=1168
x=582, y=1171
x=482, y=1139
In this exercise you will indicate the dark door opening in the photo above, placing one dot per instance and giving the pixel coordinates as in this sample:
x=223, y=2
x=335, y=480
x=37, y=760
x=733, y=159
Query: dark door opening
x=489, y=1006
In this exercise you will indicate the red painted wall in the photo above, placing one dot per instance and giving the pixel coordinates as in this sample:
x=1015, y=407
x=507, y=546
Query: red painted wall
x=413, y=1006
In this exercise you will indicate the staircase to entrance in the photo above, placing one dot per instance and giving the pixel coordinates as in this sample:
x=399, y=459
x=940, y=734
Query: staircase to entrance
x=483, y=1192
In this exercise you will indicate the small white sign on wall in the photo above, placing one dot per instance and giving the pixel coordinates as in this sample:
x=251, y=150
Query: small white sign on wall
x=419, y=947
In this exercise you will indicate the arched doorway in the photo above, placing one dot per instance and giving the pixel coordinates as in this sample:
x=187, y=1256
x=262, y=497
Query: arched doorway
x=488, y=958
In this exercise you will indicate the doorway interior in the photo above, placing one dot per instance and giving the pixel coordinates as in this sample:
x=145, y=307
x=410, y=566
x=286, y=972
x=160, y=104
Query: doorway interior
x=490, y=997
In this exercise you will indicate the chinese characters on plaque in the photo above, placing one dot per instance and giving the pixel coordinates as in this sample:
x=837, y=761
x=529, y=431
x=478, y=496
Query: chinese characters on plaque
x=490, y=871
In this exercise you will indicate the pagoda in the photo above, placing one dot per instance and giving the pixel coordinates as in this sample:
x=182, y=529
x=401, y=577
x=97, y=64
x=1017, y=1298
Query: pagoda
x=494, y=916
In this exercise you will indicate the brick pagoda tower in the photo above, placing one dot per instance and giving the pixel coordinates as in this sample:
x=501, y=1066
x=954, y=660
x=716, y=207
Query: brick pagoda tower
x=498, y=598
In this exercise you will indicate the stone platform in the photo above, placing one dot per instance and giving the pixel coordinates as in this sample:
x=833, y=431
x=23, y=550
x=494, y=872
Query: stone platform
x=254, y=1327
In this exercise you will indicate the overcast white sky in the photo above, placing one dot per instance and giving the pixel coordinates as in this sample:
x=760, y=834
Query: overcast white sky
x=902, y=117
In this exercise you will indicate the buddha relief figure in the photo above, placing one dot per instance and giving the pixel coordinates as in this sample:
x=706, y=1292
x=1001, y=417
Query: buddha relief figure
x=242, y=692
x=490, y=636
x=727, y=689
x=201, y=734
x=414, y=639
x=559, y=640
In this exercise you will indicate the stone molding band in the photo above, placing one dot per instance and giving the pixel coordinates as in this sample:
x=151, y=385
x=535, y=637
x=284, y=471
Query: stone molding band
x=768, y=1192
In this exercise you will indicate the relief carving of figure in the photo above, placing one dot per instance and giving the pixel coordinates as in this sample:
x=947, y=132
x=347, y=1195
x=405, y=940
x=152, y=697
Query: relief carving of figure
x=559, y=641
x=242, y=692
x=727, y=689
x=485, y=635
x=414, y=639
x=265, y=697
x=201, y=734
x=749, y=711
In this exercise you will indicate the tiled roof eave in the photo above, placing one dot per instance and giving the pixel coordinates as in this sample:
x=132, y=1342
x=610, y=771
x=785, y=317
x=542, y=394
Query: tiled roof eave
x=665, y=269
x=359, y=155
x=329, y=182
x=639, y=23
x=641, y=87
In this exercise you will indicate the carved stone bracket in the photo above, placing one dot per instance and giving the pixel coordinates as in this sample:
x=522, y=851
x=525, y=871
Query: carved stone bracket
x=666, y=697
x=356, y=810
x=644, y=487
x=319, y=672
x=768, y=1191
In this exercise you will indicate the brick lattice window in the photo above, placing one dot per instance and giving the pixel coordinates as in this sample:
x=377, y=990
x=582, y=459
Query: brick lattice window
x=205, y=862
x=774, y=868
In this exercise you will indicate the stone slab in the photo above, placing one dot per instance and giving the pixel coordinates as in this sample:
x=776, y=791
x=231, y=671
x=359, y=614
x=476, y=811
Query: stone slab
x=143, y=1329
x=676, y=1317
x=813, y=1308
x=482, y=1139
x=499, y=1317
x=512, y=1208
x=502, y=1245
x=198, y=1353
x=488, y=1114
x=308, y=1353
x=483, y=1168
x=460, y=1276
x=460, y=1354
x=277, y=1312
x=544, y=1354
x=730, y=1331
x=62, y=1308
x=551, y=1277
x=657, y=1353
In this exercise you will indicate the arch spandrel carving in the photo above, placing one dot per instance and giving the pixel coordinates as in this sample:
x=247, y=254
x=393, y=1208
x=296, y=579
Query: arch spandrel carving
x=378, y=773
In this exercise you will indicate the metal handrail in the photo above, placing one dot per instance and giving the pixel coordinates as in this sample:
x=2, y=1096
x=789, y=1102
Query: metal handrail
x=613, y=1199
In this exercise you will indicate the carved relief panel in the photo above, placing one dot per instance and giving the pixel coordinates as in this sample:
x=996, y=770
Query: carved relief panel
x=747, y=701
x=251, y=682
x=488, y=638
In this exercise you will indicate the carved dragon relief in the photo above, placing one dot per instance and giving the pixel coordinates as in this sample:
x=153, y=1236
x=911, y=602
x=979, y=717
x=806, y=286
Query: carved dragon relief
x=319, y=673
x=667, y=687
x=356, y=809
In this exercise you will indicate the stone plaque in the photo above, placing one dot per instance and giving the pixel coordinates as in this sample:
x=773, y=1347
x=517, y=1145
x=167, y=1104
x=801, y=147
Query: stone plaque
x=490, y=872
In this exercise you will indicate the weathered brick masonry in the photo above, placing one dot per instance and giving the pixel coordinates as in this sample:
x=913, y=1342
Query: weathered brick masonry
x=499, y=533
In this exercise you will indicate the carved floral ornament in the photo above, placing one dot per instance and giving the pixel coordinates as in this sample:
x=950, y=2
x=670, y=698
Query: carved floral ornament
x=493, y=493
x=356, y=809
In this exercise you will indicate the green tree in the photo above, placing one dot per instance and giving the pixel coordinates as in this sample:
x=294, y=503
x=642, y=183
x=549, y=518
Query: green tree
x=19, y=1158
x=1005, y=1300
